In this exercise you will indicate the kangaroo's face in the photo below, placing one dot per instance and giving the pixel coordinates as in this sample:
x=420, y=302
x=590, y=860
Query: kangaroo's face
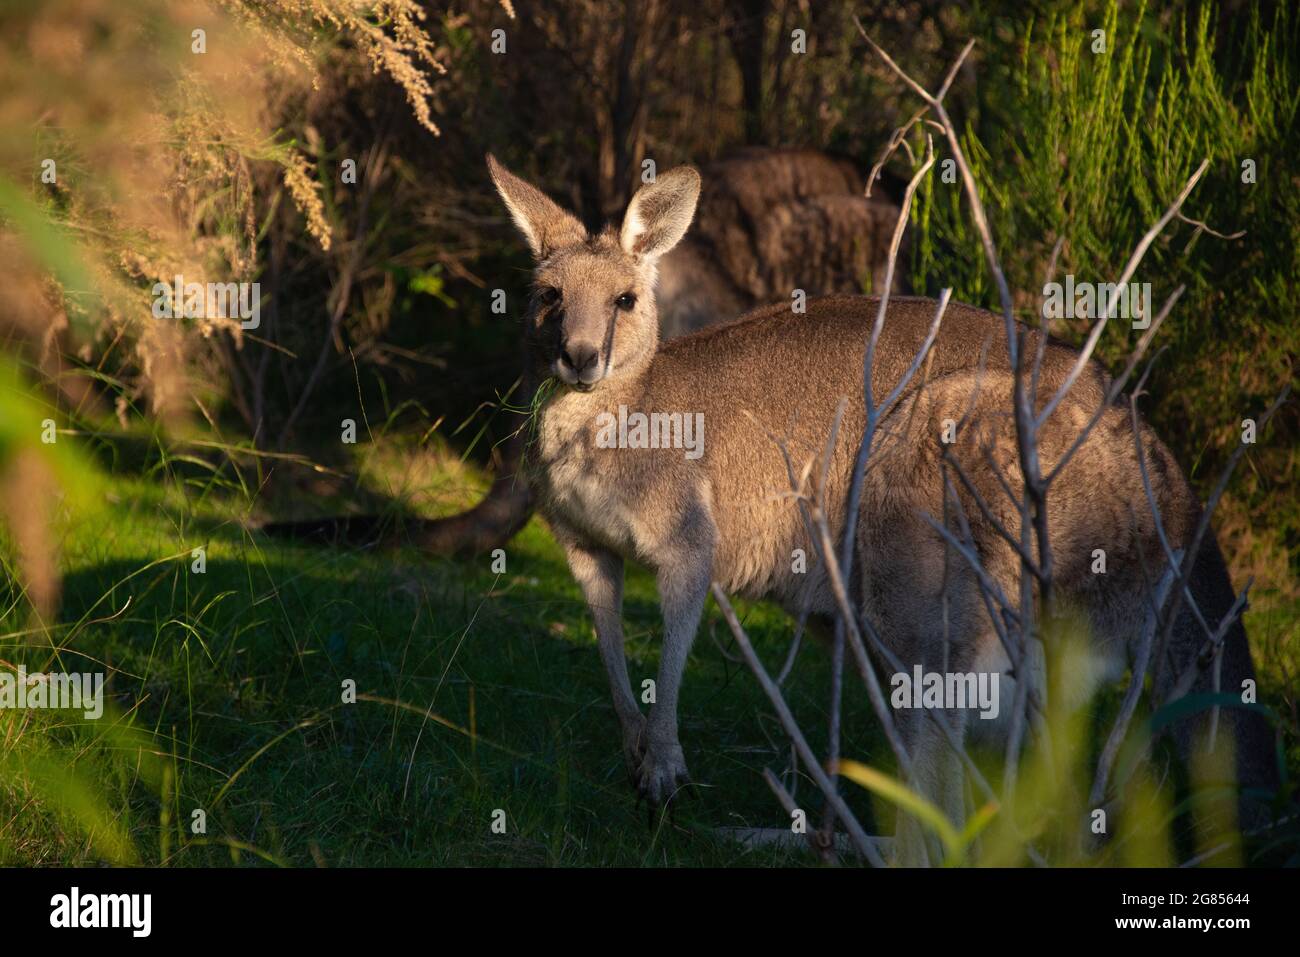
x=592, y=317
x=592, y=313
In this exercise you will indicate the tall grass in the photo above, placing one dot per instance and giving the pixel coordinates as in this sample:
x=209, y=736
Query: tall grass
x=1087, y=148
x=139, y=140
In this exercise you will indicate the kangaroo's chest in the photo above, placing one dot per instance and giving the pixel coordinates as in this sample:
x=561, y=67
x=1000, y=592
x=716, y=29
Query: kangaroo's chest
x=578, y=485
x=576, y=493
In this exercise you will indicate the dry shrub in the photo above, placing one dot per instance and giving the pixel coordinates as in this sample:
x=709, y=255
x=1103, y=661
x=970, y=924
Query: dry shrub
x=135, y=149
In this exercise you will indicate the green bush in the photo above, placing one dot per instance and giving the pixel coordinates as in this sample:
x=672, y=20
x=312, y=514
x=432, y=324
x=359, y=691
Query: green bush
x=1090, y=148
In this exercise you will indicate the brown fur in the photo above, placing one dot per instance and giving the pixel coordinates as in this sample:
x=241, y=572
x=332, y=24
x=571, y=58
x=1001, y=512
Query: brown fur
x=770, y=221
x=721, y=517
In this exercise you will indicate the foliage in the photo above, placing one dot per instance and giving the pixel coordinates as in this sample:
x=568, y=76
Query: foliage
x=1088, y=149
x=227, y=166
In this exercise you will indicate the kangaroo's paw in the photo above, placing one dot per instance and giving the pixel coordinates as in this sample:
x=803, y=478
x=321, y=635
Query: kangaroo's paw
x=662, y=773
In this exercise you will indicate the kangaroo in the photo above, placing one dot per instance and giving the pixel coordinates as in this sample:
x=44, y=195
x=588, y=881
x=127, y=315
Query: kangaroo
x=768, y=215
x=770, y=220
x=710, y=512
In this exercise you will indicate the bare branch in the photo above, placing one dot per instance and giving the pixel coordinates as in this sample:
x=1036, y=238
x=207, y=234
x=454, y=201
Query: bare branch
x=1117, y=384
x=1129, y=268
x=1202, y=228
x=861, y=842
x=787, y=802
x=1129, y=705
x=1202, y=528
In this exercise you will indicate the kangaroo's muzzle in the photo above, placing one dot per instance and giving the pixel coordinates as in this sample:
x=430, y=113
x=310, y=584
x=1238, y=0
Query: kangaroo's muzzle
x=579, y=364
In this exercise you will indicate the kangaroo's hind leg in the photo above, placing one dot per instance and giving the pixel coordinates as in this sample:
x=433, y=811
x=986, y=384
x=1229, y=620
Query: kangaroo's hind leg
x=921, y=633
x=938, y=776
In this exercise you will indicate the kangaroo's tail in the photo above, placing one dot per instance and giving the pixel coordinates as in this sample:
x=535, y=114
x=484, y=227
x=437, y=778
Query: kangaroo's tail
x=491, y=523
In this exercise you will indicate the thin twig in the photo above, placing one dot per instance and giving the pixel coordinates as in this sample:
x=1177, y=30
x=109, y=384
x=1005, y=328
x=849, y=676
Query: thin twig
x=861, y=842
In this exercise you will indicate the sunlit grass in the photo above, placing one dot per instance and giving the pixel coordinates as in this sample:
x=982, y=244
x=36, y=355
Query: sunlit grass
x=234, y=679
x=476, y=692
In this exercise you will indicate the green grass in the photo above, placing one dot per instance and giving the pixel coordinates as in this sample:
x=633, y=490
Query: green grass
x=236, y=675
x=476, y=692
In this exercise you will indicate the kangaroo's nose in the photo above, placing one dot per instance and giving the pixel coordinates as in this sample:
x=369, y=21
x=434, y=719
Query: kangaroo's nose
x=580, y=357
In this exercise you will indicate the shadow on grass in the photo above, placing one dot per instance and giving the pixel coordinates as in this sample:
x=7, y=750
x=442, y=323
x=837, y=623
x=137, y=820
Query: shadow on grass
x=479, y=699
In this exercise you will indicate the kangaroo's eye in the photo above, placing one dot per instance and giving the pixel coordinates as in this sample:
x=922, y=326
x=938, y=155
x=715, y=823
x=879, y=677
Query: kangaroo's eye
x=625, y=301
x=547, y=299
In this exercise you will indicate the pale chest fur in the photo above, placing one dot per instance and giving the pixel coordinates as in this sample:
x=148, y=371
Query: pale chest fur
x=579, y=484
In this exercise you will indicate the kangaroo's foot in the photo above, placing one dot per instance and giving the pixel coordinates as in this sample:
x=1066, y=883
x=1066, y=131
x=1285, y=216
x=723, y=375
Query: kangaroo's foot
x=662, y=772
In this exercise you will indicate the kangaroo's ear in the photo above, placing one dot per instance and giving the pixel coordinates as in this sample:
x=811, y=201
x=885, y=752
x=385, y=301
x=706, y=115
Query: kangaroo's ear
x=545, y=225
x=660, y=213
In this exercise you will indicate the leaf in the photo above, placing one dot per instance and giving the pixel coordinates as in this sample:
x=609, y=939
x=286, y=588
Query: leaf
x=979, y=820
x=1192, y=703
x=893, y=790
